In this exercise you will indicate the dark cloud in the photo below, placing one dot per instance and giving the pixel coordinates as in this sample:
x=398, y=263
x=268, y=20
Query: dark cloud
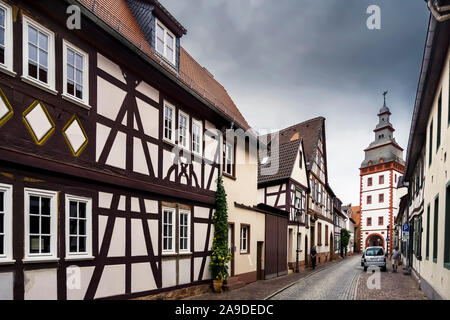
x=286, y=61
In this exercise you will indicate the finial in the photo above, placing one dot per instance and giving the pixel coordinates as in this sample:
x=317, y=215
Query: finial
x=384, y=94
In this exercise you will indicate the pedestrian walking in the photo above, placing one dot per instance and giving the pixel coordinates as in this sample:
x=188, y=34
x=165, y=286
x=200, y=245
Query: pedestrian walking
x=313, y=255
x=395, y=259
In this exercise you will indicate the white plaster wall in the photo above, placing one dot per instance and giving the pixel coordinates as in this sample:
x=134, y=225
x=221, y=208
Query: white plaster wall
x=85, y=278
x=110, y=67
x=139, y=161
x=40, y=284
x=148, y=91
x=169, y=273
x=184, y=271
x=104, y=200
x=151, y=206
x=436, y=180
x=117, y=247
x=102, y=136
x=168, y=161
x=138, y=245
x=200, y=232
x=201, y=212
x=6, y=286
x=117, y=154
x=142, y=277
x=154, y=235
x=149, y=117
x=299, y=174
x=108, y=105
x=112, y=282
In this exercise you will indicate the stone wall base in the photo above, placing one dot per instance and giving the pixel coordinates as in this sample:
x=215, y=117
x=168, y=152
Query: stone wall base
x=179, y=293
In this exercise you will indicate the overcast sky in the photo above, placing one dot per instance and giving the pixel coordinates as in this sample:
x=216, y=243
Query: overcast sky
x=287, y=61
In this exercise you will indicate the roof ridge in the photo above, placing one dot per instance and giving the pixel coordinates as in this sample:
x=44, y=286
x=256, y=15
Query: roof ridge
x=304, y=122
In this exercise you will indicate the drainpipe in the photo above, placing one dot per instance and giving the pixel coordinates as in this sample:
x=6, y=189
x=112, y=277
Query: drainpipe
x=436, y=11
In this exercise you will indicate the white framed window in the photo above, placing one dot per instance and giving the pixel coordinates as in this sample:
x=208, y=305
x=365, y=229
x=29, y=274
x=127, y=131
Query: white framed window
x=6, y=38
x=228, y=159
x=40, y=224
x=165, y=42
x=75, y=73
x=245, y=230
x=78, y=227
x=168, y=225
x=5, y=223
x=169, y=115
x=197, y=137
x=183, y=130
x=38, y=55
x=184, y=231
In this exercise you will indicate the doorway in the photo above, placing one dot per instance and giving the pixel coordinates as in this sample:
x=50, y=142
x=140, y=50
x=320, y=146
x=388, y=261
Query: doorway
x=231, y=249
x=259, y=262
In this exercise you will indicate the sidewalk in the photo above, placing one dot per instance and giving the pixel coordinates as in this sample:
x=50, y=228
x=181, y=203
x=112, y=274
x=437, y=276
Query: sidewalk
x=264, y=289
x=393, y=286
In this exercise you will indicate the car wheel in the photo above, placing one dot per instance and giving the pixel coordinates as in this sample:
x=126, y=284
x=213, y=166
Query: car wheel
x=384, y=269
x=365, y=269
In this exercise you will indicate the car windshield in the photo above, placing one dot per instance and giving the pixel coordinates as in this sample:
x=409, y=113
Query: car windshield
x=374, y=252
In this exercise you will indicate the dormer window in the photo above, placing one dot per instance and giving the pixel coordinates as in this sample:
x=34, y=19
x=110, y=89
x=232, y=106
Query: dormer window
x=165, y=42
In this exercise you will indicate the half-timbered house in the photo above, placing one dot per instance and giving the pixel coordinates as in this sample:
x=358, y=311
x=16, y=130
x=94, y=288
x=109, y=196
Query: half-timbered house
x=319, y=203
x=107, y=181
x=285, y=187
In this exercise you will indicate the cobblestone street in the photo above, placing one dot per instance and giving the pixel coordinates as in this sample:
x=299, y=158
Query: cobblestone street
x=346, y=280
x=338, y=282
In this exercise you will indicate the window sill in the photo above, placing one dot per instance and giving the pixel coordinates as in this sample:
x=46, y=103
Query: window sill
x=175, y=255
x=40, y=260
x=76, y=101
x=39, y=85
x=79, y=258
x=7, y=262
x=447, y=266
x=245, y=253
x=229, y=176
x=7, y=71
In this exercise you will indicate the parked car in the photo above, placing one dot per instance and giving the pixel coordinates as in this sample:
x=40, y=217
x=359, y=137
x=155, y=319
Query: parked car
x=374, y=257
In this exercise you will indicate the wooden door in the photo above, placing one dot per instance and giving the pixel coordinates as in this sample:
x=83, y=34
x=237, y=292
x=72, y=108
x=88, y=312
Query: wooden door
x=259, y=256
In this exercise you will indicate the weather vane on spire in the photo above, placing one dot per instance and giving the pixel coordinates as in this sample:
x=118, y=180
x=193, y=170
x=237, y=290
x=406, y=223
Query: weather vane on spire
x=384, y=95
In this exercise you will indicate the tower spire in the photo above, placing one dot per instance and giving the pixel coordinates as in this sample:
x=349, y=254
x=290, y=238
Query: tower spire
x=384, y=95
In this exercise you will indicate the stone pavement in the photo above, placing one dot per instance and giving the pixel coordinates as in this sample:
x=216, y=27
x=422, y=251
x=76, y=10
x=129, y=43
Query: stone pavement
x=264, y=289
x=338, y=282
x=393, y=286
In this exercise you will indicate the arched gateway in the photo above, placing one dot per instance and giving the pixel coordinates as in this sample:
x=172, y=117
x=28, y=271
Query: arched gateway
x=375, y=240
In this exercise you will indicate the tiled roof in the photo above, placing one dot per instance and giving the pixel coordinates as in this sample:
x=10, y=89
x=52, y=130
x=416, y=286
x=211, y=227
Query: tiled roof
x=309, y=131
x=286, y=156
x=117, y=15
x=289, y=142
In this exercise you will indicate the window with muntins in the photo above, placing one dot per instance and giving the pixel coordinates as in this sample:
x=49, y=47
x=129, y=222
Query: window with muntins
x=430, y=146
x=369, y=199
x=6, y=37
x=380, y=221
x=435, y=229
x=369, y=182
x=447, y=229
x=168, y=224
x=244, y=238
x=165, y=42
x=169, y=113
x=184, y=230
x=381, y=180
x=369, y=222
x=197, y=137
x=5, y=222
x=40, y=224
x=78, y=227
x=228, y=159
x=76, y=69
x=183, y=130
x=381, y=198
x=39, y=54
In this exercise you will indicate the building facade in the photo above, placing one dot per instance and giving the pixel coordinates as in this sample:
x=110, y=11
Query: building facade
x=105, y=172
x=379, y=174
x=427, y=207
x=285, y=187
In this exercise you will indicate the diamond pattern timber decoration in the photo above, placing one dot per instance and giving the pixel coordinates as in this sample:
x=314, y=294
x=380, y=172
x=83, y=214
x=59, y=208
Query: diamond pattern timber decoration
x=75, y=136
x=38, y=122
x=6, y=111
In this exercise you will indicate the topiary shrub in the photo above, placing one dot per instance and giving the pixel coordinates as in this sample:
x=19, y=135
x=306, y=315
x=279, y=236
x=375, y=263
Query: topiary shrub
x=221, y=255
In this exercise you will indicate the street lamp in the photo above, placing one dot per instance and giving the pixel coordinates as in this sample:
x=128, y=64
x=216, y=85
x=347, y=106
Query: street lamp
x=298, y=216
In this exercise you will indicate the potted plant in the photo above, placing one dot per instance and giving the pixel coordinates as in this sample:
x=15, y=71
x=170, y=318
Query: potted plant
x=221, y=255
